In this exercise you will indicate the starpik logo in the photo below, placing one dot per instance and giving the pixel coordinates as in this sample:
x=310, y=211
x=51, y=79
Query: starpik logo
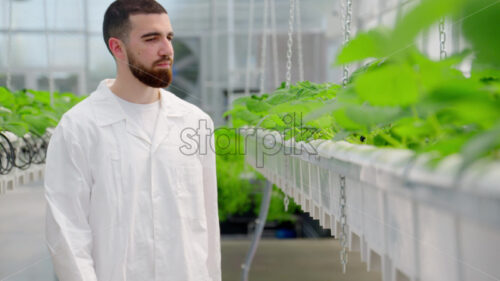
x=259, y=142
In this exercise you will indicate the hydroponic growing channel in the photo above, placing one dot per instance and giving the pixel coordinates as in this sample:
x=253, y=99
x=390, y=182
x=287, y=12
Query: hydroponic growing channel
x=401, y=161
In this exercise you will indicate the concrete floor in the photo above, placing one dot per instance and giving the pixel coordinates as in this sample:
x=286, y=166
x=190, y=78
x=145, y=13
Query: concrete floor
x=24, y=257
x=293, y=260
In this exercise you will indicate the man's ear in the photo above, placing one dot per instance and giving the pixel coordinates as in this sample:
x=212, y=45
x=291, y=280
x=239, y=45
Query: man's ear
x=117, y=48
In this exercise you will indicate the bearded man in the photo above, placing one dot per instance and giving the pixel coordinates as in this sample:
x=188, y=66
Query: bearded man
x=123, y=202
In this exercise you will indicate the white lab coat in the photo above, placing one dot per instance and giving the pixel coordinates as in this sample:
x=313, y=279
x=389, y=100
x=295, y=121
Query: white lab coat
x=103, y=188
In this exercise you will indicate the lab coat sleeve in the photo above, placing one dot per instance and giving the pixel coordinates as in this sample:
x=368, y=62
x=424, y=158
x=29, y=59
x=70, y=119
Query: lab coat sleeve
x=67, y=192
x=212, y=211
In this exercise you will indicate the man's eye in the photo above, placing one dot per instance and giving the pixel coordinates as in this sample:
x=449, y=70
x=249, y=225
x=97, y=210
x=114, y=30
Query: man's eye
x=150, y=39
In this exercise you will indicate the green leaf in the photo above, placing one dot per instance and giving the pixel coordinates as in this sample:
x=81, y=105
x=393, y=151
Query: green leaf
x=345, y=122
x=480, y=26
x=418, y=19
x=370, y=44
x=41, y=96
x=241, y=100
x=234, y=110
x=459, y=90
x=272, y=121
x=6, y=97
x=327, y=108
x=446, y=146
x=5, y=111
x=246, y=116
x=37, y=123
x=410, y=127
x=325, y=121
x=18, y=128
x=483, y=114
x=257, y=105
x=390, y=85
x=279, y=98
x=289, y=107
x=342, y=135
x=28, y=110
x=372, y=116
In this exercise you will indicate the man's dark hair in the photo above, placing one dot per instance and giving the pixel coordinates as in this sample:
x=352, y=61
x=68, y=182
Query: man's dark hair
x=116, y=19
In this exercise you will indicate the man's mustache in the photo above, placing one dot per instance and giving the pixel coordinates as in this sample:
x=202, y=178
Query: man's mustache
x=164, y=60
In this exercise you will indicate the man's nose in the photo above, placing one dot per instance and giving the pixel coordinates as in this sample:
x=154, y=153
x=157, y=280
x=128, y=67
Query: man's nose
x=166, y=48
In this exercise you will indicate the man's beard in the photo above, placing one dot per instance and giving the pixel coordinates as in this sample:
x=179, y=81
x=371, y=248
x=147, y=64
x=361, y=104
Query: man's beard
x=159, y=78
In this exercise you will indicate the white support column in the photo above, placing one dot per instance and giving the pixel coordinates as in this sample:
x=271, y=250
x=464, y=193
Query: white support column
x=263, y=48
x=214, y=59
x=48, y=53
x=300, y=58
x=274, y=44
x=9, y=43
x=230, y=46
x=86, y=69
x=205, y=61
x=249, y=48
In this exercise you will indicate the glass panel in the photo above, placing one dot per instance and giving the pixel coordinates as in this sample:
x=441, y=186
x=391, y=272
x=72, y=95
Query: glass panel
x=101, y=63
x=28, y=50
x=63, y=82
x=27, y=14
x=96, y=9
x=66, y=14
x=17, y=81
x=3, y=54
x=4, y=14
x=61, y=15
x=67, y=50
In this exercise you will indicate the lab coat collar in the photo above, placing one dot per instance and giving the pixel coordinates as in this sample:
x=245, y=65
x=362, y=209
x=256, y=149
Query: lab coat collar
x=109, y=111
x=170, y=105
x=106, y=107
x=170, y=109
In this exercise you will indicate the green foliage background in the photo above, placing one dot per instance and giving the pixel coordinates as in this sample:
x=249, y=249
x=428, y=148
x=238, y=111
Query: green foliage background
x=400, y=97
x=30, y=111
x=239, y=185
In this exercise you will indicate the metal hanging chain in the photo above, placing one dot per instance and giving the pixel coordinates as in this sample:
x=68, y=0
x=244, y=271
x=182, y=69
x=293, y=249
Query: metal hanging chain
x=286, y=201
x=342, y=17
x=9, y=40
x=299, y=41
x=49, y=57
x=289, y=66
x=347, y=17
x=249, y=48
x=274, y=44
x=347, y=35
x=263, y=47
x=290, y=42
x=343, y=224
x=442, y=39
